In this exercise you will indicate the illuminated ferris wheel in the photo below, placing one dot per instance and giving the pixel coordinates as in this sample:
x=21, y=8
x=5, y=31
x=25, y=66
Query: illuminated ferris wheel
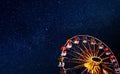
x=84, y=54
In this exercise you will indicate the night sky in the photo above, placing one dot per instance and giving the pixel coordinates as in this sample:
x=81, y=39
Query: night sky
x=32, y=31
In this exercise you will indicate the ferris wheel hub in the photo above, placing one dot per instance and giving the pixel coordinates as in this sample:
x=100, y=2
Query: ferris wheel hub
x=96, y=59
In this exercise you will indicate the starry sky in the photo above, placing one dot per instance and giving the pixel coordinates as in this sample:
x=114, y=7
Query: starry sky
x=32, y=31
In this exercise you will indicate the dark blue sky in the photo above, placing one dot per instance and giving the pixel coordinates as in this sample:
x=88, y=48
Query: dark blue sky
x=32, y=31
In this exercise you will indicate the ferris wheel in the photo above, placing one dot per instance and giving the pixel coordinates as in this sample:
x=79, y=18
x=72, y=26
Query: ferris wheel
x=84, y=54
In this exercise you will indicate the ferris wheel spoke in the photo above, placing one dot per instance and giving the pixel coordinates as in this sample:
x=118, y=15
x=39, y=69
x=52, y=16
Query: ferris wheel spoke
x=84, y=70
x=85, y=54
x=93, y=49
x=77, y=54
x=80, y=49
x=88, y=52
x=89, y=45
x=102, y=54
x=75, y=60
x=97, y=52
x=105, y=58
x=107, y=63
x=97, y=70
x=82, y=55
x=91, y=52
x=77, y=67
x=107, y=68
x=75, y=49
x=84, y=46
x=73, y=55
x=90, y=49
x=78, y=59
